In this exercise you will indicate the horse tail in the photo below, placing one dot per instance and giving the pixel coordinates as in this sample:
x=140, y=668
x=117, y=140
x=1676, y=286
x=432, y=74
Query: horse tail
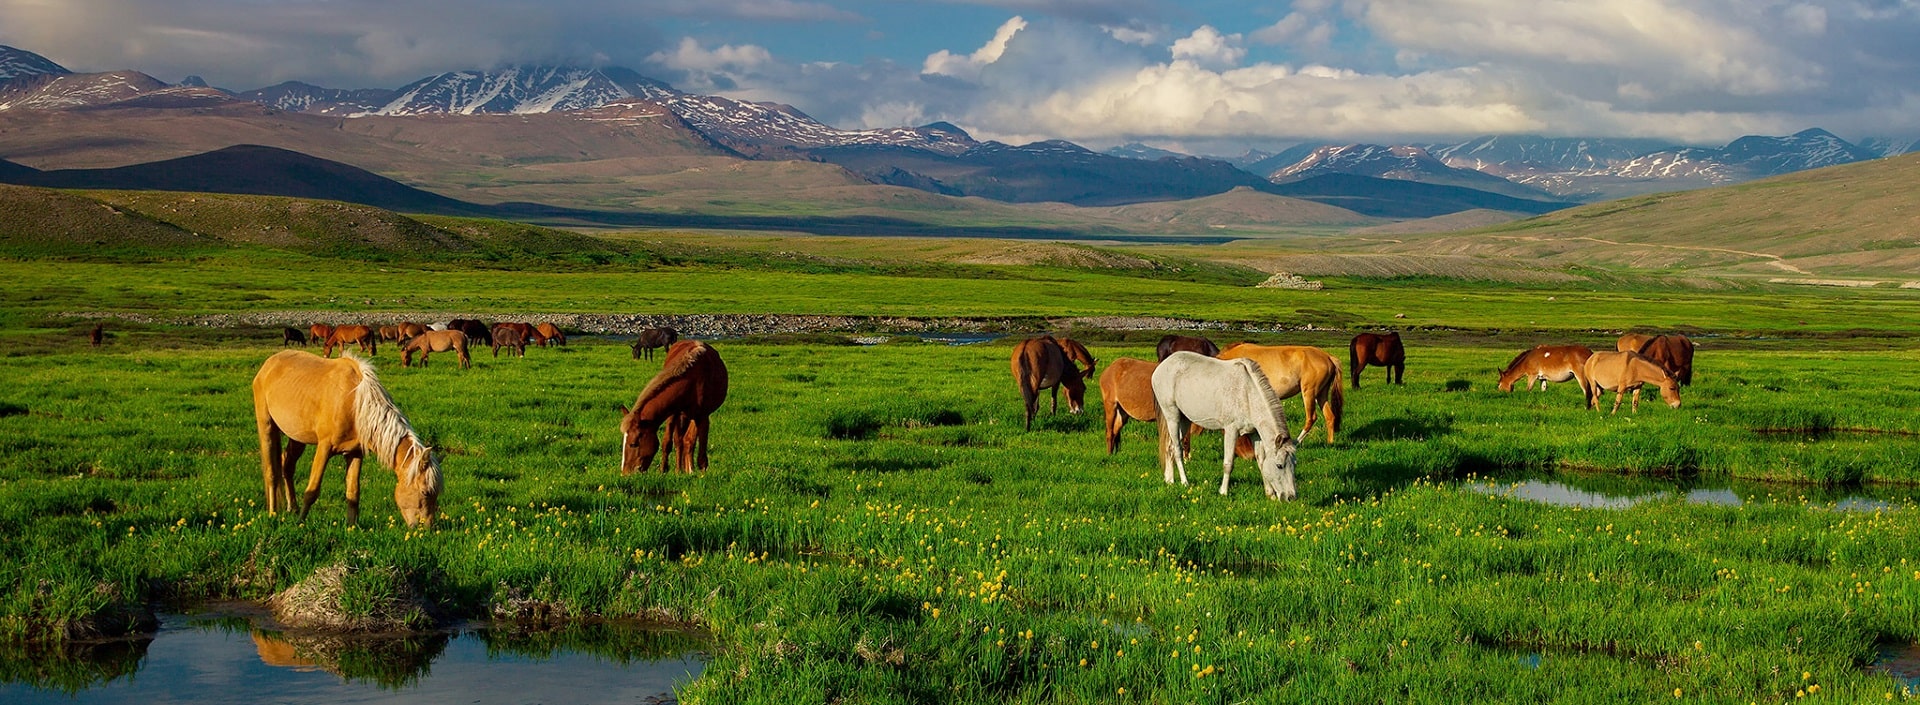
x=1336, y=401
x=1353, y=358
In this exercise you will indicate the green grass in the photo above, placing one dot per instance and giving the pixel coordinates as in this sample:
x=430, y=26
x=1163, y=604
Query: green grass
x=877, y=528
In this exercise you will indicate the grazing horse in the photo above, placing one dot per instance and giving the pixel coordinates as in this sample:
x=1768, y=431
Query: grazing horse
x=1126, y=392
x=1622, y=371
x=1230, y=395
x=1631, y=342
x=409, y=329
x=654, y=338
x=1170, y=344
x=1040, y=363
x=339, y=408
x=692, y=383
x=98, y=335
x=292, y=336
x=1378, y=349
x=352, y=335
x=1672, y=352
x=1547, y=363
x=437, y=341
x=390, y=333
x=510, y=339
x=548, y=331
x=525, y=330
x=1299, y=369
x=475, y=330
x=1079, y=355
x=319, y=333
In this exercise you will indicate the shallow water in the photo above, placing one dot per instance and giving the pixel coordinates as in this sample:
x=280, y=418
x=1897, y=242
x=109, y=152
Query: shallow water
x=1607, y=492
x=227, y=659
x=1902, y=662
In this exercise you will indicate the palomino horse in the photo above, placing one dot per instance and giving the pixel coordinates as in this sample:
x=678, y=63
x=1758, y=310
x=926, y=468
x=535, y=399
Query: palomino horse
x=1672, y=352
x=692, y=383
x=1230, y=395
x=1622, y=371
x=475, y=330
x=319, y=333
x=1170, y=344
x=1547, y=363
x=292, y=336
x=1041, y=363
x=339, y=408
x=1378, y=349
x=352, y=335
x=548, y=332
x=653, y=338
x=510, y=339
x=1299, y=369
x=432, y=342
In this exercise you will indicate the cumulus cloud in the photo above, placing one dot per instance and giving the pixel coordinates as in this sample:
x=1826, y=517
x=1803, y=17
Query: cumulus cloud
x=968, y=66
x=1209, y=48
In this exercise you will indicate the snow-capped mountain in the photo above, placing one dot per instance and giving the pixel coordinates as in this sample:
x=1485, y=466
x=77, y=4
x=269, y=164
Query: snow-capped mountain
x=66, y=91
x=748, y=127
x=521, y=89
x=20, y=63
x=1403, y=162
x=1136, y=150
x=1890, y=146
x=294, y=96
x=1495, y=154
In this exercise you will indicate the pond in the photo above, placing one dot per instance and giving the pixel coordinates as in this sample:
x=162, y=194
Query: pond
x=1616, y=492
x=235, y=655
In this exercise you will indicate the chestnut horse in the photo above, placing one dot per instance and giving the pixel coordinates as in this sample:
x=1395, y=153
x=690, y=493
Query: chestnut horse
x=1079, y=355
x=319, y=333
x=1547, y=363
x=1378, y=349
x=1126, y=392
x=1631, y=342
x=409, y=329
x=548, y=331
x=1298, y=369
x=692, y=383
x=1672, y=352
x=475, y=330
x=1041, y=363
x=292, y=336
x=390, y=333
x=1170, y=344
x=653, y=338
x=1622, y=371
x=339, y=408
x=527, y=333
x=432, y=342
x=510, y=339
x=352, y=335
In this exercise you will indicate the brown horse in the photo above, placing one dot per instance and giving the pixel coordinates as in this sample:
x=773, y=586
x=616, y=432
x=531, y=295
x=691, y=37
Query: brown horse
x=1622, y=371
x=352, y=335
x=1126, y=392
x=1081, y=357
x=1170, y=344
x=510, y=339
x=98, y=335
x=1672, y=352
x=432, y=342
x=475, y=330
x=339, y=408
x=1631, y=342
x=692, y=383
x=1298, y=370
x=1381, y=350
x=549, y=332
x=319, y=333
x=292, y=336
x=525, y=330
x=409, y=329
x=390, y=333
x=1040, y=363
x=653, y=338
x=1547, y=363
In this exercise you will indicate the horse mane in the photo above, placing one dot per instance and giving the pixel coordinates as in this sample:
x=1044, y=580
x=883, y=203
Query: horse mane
x=672, y=369
x=381, y=425
x=1517, y=359
x=1271, y=397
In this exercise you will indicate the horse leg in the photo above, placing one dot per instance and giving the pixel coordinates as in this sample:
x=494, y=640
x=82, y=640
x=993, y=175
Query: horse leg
x=1616, y=399
x=1055, y=390
x=466, y=362
x=321, y=450
x=353, y=488
x=289, y=460
x=1636, y=400
x=1226, y=456
x=1115, y=420
x=1032, y=398
x=1306, y=398
x=1358, y=365
x=1400, y=373
x=269, y=455
x=705, y=425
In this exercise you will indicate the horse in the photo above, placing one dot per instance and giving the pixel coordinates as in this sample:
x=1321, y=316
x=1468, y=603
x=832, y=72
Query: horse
x=1299, y=369
x=475, y=330
x=355, y=335
x=1672, y=352
x=1126, y=392
x=653, y=338
x=1170, y=343
x=1631, y=342
x=339, y=408
x=1547, y=363
x=1230, y=395
x=548, y=331
x=390, y=333
x=437, y=341
x=98, y=335
x=1079, y=355
x=1381, y=350
x=1040, y=363
x=692, y=383
x=409, y=329
x=510, y=339
x=526, y=331
x=1622, y=371
x=319, y=333
x=292, y=336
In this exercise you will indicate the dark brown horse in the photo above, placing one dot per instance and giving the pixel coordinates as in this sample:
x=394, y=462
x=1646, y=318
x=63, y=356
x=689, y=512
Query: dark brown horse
x=292, y=336
x=352, y=335
x=510, y=339
x=1672, y=352
x=1380, y=350
x=546, y=332
x=692, y=383
x=1081, y=357
x=475, y=330
x=525, y=329
x=1041, y=363
x=1170, y=344
x=653, y=338
x=98, y=335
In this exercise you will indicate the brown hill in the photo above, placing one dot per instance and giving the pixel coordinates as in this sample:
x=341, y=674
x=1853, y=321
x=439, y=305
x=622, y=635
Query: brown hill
x=1241, y=206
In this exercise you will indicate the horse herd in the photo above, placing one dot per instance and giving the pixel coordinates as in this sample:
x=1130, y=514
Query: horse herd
x=338, y=406
x=454, y=336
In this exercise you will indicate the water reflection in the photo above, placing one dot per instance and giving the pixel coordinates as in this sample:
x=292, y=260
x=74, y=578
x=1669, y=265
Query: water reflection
x=1901, y=662
x=1617, y=492
x=240, y=659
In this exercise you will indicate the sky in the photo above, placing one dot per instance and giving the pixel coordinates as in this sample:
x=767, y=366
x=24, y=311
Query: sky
x=1202, y=76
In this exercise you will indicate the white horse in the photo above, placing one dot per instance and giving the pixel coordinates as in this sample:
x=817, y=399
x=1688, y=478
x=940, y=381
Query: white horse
x=1229, y=395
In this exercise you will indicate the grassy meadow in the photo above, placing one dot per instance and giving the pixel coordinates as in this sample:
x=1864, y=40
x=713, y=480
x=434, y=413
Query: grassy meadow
x=876, y=527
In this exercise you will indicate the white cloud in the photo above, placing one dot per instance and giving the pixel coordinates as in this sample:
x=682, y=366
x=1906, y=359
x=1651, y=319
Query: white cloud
x=968, y=67
x=1209, y=48
x=690, y=56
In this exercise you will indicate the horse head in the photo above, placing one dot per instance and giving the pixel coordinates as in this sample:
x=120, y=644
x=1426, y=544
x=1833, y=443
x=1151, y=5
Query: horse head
x=418, y=490
x=1670, y=392
x=1276, y=466
x=639, y=442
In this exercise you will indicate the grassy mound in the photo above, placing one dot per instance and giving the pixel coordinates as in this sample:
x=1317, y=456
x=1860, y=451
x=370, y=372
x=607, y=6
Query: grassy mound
x=343, y=597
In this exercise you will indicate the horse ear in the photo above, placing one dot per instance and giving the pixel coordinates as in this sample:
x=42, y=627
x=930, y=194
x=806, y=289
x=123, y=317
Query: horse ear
x=623, y=409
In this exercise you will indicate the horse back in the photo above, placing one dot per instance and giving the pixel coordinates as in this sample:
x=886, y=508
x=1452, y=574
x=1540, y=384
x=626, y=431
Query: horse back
x=1129, y=383
x=310, y=398
x=1039, y=362
x=692, y=379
